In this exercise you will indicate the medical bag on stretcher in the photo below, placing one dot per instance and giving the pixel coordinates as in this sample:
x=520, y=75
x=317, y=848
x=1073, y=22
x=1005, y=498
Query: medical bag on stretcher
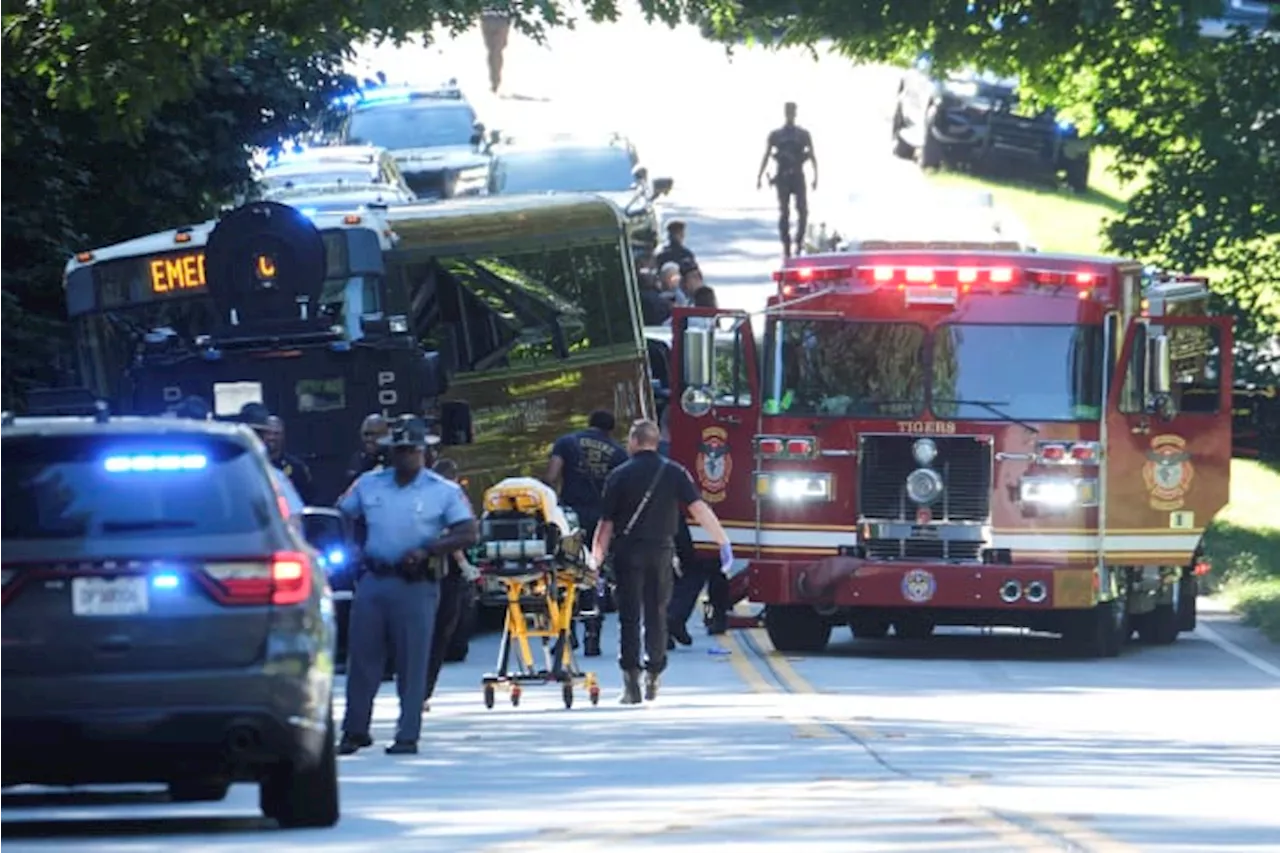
x=523, y=521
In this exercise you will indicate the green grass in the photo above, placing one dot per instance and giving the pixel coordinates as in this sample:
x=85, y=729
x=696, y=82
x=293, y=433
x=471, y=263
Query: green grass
x=1243, y=546
x=1058, y=220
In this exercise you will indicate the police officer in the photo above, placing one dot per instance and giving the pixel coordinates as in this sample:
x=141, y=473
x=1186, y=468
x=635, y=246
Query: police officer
x=791, y=146
x=412, y=514
x=196, y=408
x=370, y=455
x=580, y=462
x=639, y=519
x=454, y=596
x=271, y=430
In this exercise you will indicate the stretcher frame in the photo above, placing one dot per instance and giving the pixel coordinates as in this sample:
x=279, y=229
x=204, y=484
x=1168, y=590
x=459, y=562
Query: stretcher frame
x=542, y=597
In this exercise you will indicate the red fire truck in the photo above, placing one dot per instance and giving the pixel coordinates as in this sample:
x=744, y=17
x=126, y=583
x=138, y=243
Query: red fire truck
x=954, y=437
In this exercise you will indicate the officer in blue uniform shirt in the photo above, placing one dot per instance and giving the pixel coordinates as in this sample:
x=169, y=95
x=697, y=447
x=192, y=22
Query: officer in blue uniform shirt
x=415, y=518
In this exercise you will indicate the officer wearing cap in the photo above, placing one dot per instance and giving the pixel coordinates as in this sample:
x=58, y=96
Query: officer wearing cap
x=413, y=515
x=271, y=430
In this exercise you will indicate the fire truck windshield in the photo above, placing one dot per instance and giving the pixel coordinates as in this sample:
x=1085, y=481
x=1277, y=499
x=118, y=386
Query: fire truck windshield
x=1017, y=373
x=835, y=368
x=1037, y=373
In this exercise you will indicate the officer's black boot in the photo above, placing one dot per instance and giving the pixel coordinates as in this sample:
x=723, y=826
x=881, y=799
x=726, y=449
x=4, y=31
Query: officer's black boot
x=631, y=688
x=718, y=623
x=651, y=683
x=352, y=743
x=591, y=637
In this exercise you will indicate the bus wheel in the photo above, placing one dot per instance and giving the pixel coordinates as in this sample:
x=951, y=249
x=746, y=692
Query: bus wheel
x=796, y=628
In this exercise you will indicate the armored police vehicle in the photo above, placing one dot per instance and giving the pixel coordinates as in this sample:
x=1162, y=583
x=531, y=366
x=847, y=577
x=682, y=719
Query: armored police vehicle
x=265, y=305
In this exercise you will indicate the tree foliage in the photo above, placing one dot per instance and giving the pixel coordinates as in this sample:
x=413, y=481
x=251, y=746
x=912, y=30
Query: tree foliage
x=122, y=117
x=1196, y=120
x=69, y=186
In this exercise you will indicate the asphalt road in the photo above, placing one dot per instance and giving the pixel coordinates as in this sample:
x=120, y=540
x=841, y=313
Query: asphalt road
x=961, y=743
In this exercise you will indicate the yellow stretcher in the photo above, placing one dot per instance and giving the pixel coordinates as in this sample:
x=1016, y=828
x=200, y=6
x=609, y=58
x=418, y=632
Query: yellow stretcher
x=535, y=549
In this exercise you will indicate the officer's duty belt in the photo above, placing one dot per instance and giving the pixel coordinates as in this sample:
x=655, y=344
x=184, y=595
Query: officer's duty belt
x=424, y=572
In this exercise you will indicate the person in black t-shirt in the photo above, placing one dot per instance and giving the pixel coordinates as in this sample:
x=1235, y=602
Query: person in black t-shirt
x=639, y=519
x=654, y=307
x=579, y=463
x=791, y=146
x=674, y=250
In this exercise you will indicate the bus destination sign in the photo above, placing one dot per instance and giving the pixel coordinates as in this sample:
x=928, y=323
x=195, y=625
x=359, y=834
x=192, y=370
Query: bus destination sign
x=176, y=273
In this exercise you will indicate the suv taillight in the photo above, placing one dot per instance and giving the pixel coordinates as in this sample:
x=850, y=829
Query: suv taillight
x=284, y=579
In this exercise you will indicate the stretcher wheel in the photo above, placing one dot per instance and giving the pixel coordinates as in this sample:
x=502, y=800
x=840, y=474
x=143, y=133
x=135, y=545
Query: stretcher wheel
x=567, y=692
x=594, y=695
x=515, y=696
x=488, y=695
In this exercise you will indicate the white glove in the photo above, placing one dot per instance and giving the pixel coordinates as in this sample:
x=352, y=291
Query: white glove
x=726, y=558
x=469, y=572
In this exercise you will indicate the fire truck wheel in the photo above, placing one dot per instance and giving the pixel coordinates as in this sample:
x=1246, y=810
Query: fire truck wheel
x=869, y=627
x=913, y=628
x=1162, y=625
x=930, y=153
x=1099, y=632
x=796, y=628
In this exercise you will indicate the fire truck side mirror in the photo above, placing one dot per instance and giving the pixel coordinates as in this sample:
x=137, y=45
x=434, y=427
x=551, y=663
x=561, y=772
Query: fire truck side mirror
x=1159, y=366
x=698, y=348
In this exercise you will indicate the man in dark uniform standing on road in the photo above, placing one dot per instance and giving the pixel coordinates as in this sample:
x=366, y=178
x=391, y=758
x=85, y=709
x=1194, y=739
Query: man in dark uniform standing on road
x=579, y=463
x=271, y=430
x=791, y=146
x=640, y=517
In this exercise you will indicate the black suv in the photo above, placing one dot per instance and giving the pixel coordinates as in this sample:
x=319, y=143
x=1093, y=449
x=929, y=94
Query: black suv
x=164, y=621
x=976, y=118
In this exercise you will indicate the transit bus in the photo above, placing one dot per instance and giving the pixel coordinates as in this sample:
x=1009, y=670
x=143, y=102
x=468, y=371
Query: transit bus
x=530, y=303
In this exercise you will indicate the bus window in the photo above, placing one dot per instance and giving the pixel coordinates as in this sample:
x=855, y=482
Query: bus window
x=600, y=268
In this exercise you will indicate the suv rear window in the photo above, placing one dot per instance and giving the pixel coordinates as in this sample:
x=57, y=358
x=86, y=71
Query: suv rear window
x=126, y=486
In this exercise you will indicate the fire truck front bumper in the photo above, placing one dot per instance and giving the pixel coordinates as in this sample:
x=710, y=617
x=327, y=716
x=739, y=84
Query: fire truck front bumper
x=851, y=582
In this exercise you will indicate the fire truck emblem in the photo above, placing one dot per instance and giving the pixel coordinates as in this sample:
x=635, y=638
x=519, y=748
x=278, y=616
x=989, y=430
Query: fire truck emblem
x=918, y=586
x=714, y=464
x=1168, y=472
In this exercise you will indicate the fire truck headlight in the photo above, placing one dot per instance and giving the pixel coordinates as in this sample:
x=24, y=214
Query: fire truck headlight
x=925, y=451
x=1059, y=493
x=924, y=486
x=794, y=487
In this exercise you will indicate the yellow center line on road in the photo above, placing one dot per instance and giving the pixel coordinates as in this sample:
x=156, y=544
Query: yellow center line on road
x=756, y=680
x=1008, y=831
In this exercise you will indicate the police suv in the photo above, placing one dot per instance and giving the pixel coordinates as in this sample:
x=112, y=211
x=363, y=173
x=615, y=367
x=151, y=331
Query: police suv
x=164, y=620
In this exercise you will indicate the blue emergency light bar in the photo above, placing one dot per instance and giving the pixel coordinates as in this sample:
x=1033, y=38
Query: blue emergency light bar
x=149, y=463
x=398, y=95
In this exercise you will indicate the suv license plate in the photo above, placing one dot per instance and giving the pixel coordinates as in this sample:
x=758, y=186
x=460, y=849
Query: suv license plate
x=108, y=596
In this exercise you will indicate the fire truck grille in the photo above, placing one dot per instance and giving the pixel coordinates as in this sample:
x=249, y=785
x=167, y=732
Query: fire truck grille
x=922, y=549
x=963, y=461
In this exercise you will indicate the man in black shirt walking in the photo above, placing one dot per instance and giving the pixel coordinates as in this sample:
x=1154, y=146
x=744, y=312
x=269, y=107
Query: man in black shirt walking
x=791, y=146
x=642, y=506
x=579, y=464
